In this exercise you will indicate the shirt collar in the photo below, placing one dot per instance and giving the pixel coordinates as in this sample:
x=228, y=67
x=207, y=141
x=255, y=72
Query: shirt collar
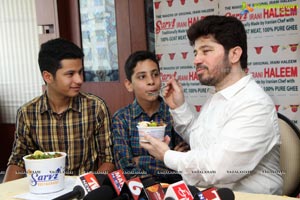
x=137, y=109
x=75, y=103
x=236, y=87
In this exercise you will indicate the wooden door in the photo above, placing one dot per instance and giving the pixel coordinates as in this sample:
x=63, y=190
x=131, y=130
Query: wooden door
x=131, y=36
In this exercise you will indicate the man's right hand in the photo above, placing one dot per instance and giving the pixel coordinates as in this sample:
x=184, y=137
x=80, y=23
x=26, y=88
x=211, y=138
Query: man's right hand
x=173, y=94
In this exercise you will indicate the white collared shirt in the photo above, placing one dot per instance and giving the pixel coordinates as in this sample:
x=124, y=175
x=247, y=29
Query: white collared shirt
x=234, y=141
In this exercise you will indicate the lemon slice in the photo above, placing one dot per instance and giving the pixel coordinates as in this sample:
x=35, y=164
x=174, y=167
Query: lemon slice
x=38, y=153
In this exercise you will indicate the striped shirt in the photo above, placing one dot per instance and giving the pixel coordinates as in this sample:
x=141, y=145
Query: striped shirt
x=126, y=140
x=82, y=131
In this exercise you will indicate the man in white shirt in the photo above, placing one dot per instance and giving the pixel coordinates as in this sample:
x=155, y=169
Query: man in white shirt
x=235, y=139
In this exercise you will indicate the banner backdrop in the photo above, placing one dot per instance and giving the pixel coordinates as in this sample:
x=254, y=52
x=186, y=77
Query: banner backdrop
x=273, y=46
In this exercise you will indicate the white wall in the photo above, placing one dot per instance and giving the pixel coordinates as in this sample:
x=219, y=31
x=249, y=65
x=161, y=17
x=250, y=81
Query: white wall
x=20, y=78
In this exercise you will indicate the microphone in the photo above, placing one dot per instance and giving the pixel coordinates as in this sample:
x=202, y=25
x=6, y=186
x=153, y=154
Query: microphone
x=196, y=193
x=178, y=190
x=212, y=194
x=84, y=184
x=88, y=181
x=133, y=188
x=105, y=192
x=110, y=194
x=226, y=193
x=141, y=189
x=116, y=180
x=123, y=197
x=77, y=192
x=155, y=192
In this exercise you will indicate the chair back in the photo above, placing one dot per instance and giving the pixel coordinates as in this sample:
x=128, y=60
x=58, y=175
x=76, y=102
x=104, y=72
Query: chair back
x=289, y=156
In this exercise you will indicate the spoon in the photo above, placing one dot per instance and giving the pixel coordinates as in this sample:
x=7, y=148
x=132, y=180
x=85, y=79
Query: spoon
x=157, y=92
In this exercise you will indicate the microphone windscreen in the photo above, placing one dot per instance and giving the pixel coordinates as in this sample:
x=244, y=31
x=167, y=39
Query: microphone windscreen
x=80, y=191
x=104, y=192
x=226, y=193
x=148, y=181
x=194, y=190
x=100, y=178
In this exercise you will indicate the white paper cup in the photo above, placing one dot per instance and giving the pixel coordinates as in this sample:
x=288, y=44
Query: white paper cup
x=46, y=175
x=154, y=131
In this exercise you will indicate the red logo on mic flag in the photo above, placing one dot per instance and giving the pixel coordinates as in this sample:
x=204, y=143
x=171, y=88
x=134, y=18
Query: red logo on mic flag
x=117, y=179
x=155, y=192
x=89, y=182
x=135, y=186
x=211, y=194
x=182, y=191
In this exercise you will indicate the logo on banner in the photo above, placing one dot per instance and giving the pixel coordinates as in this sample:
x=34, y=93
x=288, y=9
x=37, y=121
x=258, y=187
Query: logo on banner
x=293, y=47
x=246, y=8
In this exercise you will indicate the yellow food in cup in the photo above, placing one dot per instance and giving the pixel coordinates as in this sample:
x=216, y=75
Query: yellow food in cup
x=43, y=155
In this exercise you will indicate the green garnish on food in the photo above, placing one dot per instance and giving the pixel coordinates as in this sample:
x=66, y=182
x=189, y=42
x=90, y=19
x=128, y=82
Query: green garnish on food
x=153, y=123
x=41, y=155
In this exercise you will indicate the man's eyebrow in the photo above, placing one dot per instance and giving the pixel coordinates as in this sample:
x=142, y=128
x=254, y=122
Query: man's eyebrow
x=154, y=70
x=139, y=73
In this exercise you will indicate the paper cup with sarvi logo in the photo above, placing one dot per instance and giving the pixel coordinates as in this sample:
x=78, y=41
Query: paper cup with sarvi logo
x=157, y=131
x=46, y=173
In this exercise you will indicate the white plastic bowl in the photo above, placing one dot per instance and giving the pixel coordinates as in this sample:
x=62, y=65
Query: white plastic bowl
x=154, y=131
x=46, y=175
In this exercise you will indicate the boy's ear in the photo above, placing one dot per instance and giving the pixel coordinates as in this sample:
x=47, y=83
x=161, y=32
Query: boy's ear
x=47, y=76
x=128, y=85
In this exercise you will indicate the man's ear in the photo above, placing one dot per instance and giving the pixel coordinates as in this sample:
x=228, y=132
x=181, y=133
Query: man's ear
x=235, y=54
x=47, y=76
x=128, y=85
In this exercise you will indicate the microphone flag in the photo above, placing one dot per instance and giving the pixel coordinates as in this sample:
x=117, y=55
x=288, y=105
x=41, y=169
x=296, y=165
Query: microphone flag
x=211, y=194
x=88, y=181
x=180, y=191
x=155, y=192
x=117, y=180
x=134, y=187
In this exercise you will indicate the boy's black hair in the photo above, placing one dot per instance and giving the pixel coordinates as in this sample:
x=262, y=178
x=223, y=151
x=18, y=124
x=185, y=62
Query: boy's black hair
x=136, y=57
x=55, y=50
